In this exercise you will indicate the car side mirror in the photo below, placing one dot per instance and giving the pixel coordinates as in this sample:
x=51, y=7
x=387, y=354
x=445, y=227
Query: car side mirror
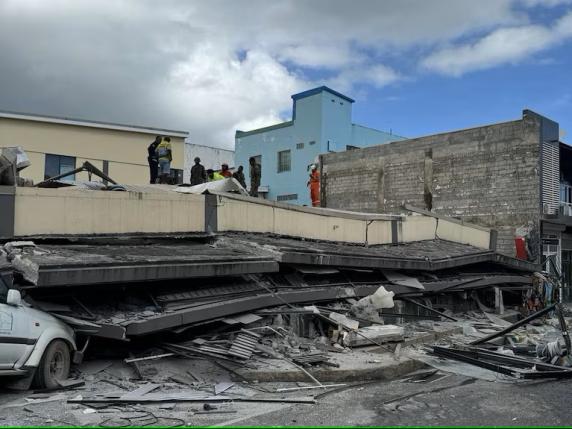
x=14, y=298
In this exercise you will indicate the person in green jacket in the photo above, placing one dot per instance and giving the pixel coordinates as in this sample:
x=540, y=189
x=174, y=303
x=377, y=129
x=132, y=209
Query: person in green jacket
x=165, y=155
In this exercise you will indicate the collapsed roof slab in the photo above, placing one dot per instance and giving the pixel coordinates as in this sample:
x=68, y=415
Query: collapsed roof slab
x=74, y=265
x=427, y=255
x=233, y=254
x=227, y=307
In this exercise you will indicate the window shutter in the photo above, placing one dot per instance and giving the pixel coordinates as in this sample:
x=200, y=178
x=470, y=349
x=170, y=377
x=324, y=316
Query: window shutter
x=550, y=177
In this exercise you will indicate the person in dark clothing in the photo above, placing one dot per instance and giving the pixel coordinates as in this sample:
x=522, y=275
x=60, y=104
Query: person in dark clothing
x=153, y=160
x=239, y=175
x=198, y=173
x=255, y=174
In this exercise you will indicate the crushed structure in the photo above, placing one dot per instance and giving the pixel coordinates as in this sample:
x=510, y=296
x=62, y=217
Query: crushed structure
x=313, y=299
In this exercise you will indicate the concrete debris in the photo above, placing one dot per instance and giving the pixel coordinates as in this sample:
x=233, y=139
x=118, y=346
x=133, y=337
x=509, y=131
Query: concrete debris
x=398, y=278
x=344, y=321
x=27, y=268
x=11, y=245
x=377, y=333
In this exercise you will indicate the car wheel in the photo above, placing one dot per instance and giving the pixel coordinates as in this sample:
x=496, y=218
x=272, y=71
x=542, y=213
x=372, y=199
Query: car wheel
x=54, y=366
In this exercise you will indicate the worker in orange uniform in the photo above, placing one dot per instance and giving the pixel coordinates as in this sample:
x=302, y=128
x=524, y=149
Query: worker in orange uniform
x=314, y=184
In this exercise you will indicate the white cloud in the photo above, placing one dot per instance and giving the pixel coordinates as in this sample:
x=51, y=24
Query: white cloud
x=222, y=93
x=502, y=46
x=376, y=75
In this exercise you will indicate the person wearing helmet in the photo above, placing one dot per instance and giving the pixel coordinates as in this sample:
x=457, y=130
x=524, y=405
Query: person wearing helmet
x=225, y=171
x=314, y=184
x=198, y=173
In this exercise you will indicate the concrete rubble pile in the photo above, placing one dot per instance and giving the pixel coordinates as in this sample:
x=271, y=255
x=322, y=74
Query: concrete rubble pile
x=270, y=321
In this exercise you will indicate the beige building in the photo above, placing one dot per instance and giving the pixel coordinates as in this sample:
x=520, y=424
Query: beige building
x=57, y=145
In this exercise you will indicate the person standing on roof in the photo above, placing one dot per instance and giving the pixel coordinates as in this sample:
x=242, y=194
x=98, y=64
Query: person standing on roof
x=164, y=153
x=198, y=173
x=255, y=173
x=153, y=160
x=239, y=176
x=214, y=175
x=225, y=171
x=314, y=184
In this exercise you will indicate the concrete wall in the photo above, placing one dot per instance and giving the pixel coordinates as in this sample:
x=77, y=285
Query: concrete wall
x=66, y=211
x=69, y=211
x=486, y=175
x=235, y=213
x=211, y=157
x=126, y=151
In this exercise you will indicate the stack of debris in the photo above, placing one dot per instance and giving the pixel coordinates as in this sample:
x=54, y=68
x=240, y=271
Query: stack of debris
x=502, y=352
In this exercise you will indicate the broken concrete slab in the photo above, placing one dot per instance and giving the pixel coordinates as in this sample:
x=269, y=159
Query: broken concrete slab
x=27, y=268
x=398, y=278
x=344, y=321
x=11, y=245
x=374, y=333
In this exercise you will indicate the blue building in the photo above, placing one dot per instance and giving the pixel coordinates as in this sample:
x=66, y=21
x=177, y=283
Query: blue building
x=321, y=122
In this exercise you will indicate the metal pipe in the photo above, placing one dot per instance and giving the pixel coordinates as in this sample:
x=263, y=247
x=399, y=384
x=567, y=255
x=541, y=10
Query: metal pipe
x=514, y=326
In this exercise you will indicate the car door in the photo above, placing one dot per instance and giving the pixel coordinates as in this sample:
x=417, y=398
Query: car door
x=14, y=332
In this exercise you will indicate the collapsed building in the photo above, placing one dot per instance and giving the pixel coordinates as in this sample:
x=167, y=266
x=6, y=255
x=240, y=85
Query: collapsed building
x=209, y=274
x=152, y=259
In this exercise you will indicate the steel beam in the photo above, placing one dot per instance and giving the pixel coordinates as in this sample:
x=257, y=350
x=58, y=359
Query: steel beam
x=514, y=326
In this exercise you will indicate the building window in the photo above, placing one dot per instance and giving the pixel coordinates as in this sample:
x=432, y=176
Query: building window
x=313, y=142
x=287, y=197
x=350, y=147
x=59, y=164
x=565, y=193
x=284, y=159
x=176, y=176
x=299, y=145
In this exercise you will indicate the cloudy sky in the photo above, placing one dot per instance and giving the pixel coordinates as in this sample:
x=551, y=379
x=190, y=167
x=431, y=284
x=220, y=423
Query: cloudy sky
x=210, y=67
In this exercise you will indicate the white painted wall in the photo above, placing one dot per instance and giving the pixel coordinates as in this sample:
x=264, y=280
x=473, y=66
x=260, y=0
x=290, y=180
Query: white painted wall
x=211, y=157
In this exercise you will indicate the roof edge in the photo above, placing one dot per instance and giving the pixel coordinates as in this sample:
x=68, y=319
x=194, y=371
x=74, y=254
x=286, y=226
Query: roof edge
x=318, y=90
x=92, y=124
x=239, y=133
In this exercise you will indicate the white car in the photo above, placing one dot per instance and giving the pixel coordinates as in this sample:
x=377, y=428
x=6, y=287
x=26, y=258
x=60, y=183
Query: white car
x=33, y=343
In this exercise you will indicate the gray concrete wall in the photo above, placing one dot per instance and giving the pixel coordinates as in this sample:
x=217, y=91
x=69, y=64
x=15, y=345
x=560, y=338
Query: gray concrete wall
x=486, y=175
